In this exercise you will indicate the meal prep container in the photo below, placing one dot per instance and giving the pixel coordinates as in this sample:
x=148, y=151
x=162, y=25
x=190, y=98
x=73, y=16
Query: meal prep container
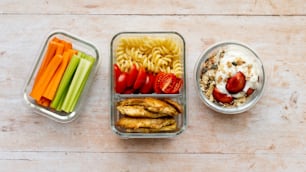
x=78, y=44
x=181, y=119
x=230, y=46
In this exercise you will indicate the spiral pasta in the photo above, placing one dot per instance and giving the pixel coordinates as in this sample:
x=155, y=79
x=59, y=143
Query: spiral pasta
x=156, y=54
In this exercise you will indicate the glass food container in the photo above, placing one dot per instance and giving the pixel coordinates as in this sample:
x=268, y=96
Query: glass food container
x=78, y=44
x=154, y=55
x=229, y=77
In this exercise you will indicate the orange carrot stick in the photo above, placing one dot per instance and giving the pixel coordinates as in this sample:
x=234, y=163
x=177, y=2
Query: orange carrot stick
x=67, y=45
x=73, y=51
x=43, y=102
x=52, y=46
x=46, y=77
x=56, y=39
x=56, y=79
x=60, y=49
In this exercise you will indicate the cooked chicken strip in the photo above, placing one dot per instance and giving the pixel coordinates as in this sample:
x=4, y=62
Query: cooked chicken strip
x=136, y=123
x=138, y=111
x=151, y=104
x=175, y=104
x=150, y=130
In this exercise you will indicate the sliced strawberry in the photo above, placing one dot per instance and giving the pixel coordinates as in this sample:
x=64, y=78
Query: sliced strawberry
x=220, y=97
x=236, y=83
x=250, y=91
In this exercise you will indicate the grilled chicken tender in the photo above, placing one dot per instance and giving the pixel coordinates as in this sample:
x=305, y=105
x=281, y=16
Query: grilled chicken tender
x=150, y=104
x=147, y=124
x=151, y=130
x=175, y=104
x=138, y=111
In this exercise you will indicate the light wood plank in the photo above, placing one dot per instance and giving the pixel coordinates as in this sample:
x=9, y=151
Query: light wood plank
x=156, y=7
x=65, y=161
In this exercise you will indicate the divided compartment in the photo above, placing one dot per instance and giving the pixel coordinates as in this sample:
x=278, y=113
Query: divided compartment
x=77, y=44
x=181, y=119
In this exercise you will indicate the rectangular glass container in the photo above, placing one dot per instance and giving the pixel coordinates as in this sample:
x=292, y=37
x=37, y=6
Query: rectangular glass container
x=180, y=97
x=77, y=44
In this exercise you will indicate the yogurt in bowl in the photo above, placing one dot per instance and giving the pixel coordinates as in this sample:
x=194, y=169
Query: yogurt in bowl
x=230, y=77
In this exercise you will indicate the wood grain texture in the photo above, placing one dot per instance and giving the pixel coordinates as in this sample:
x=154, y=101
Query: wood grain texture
x=151, y=162
x=269, y=137
x=156, y=7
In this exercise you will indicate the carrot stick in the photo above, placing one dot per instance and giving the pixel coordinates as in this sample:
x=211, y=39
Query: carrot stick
x=67, y=45
x=56, y=39
x=60, y=49
x=40, y=101
x=56, y=79
x=46, y=77
x=52, y=46
x=44, y=102
x=73, y=51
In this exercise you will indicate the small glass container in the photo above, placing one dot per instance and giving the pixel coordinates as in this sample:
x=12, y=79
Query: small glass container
x=236, y=50
x=181, y=119
x=77, y=44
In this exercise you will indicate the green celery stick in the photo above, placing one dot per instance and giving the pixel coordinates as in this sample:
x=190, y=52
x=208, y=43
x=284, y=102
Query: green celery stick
x=60, y=102
x=92, y=61
x=76, y=83
x=71, y=108
x=65, y=82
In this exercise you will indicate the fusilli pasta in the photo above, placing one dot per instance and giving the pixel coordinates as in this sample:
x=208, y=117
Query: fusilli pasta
x=156, y=54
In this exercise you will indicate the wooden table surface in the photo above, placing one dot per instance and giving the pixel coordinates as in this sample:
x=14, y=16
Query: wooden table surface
x=269, y=137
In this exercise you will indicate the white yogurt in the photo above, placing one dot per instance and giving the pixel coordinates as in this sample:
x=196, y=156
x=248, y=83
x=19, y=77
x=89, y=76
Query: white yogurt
x=248, y=66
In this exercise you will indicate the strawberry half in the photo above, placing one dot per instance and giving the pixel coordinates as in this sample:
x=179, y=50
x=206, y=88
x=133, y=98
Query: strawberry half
x=236, y=83
x=250, y=91
x=220, y=97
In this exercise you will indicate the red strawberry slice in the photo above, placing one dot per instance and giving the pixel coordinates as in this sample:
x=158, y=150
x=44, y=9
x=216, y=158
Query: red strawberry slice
x=220, y=97
x=236, y=83
x=250, y=91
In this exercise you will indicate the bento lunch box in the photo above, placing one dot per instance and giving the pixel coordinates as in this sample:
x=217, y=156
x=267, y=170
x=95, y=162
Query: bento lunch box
x=148, y=81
